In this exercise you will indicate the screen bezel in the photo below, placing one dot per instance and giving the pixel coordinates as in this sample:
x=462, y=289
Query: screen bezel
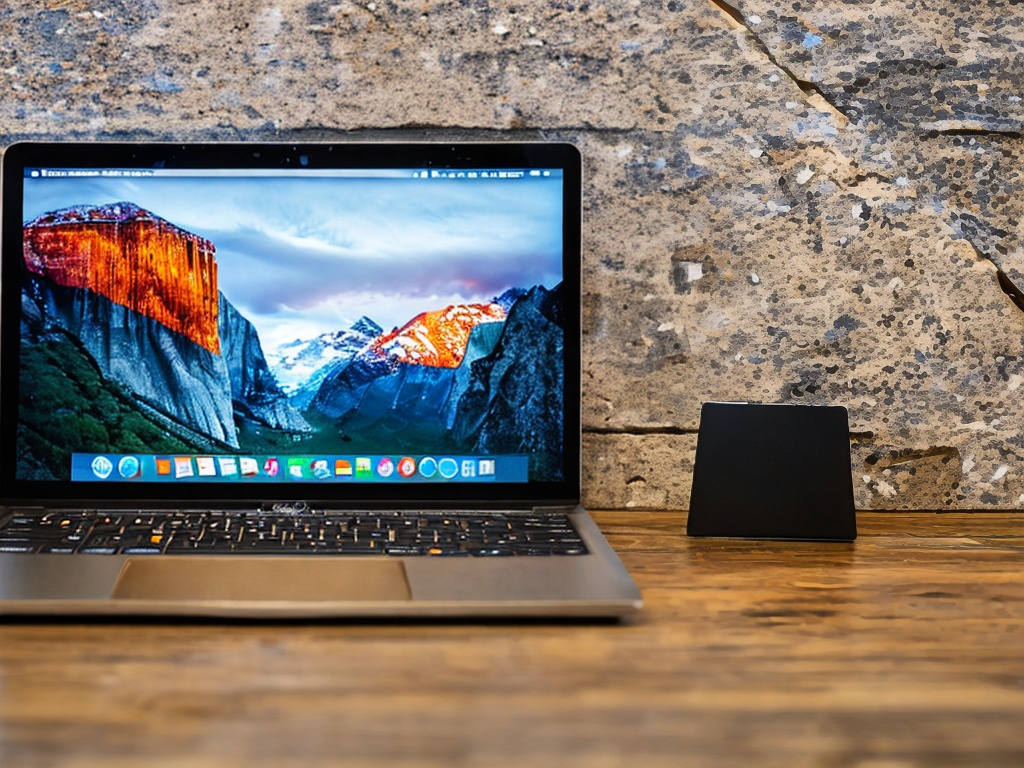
x=496, y=155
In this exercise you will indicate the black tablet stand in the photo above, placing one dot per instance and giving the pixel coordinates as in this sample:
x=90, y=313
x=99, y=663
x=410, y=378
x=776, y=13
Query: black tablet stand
x=773, y=472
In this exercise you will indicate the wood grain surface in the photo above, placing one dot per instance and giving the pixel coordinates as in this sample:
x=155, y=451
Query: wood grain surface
x=903, y=649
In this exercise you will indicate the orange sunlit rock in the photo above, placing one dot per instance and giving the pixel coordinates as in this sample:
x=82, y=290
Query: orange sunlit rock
x=437, y=338
x=133, y=258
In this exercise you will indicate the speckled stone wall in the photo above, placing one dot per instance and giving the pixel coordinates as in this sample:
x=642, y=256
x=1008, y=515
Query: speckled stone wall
x=812, y=202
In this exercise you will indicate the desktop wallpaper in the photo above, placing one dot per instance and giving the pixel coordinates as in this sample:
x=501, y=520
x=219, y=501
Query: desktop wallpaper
x=254, y=315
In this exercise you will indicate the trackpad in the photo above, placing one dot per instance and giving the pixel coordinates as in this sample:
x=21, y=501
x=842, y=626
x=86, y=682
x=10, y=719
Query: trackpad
x=301, y=579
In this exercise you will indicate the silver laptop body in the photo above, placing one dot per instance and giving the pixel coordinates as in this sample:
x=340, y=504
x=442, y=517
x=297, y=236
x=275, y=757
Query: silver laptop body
x=291, y=340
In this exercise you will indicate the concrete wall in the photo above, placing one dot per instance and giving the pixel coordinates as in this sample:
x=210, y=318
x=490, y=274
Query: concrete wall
x=812, y=202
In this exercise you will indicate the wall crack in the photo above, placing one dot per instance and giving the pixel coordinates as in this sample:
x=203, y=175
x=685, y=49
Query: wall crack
x=811, y=90
x=934, y=133
x=1007, y=285
x=638, y=431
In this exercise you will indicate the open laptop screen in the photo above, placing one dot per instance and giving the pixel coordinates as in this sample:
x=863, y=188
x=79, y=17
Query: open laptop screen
x=327, y=321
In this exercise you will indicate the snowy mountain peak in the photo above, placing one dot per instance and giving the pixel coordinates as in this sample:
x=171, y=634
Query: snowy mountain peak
x=437, y=338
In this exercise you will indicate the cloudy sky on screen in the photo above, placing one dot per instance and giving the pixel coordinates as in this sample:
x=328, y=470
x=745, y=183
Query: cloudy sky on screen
x=301, y=258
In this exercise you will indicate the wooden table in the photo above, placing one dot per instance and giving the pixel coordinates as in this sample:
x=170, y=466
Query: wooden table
x=904, y=649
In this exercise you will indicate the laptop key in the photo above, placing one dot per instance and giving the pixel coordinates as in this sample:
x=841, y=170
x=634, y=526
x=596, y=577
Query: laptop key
x=17, y=548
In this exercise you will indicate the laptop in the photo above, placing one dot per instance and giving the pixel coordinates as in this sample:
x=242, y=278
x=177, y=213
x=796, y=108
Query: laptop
x=280, y=381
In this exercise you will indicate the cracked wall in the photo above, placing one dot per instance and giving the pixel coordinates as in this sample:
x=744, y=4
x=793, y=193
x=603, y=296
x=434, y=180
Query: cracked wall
x=812, y=202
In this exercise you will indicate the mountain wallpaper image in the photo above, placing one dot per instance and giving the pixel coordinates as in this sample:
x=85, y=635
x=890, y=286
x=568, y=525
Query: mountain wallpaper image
x=132, y=343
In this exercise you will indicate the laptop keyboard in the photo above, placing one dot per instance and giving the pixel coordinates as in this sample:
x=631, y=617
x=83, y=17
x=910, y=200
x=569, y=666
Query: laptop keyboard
x=162, y=532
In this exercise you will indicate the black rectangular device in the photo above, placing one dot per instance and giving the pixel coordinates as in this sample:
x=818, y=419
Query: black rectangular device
x=773, y=472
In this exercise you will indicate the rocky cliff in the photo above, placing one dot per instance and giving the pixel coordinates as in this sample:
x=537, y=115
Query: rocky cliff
x=141, y=296
x=165, y=370
x=254, y=390
x=513, y=399
x=135, y=259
